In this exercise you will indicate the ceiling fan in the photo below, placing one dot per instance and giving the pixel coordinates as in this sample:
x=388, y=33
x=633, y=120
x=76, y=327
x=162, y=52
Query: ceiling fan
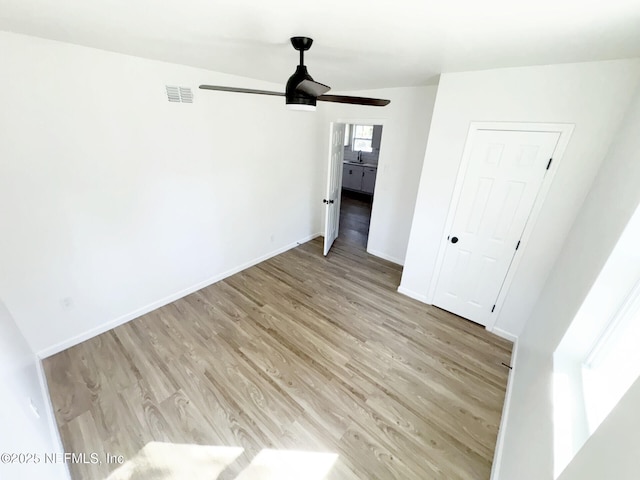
x=302, y=91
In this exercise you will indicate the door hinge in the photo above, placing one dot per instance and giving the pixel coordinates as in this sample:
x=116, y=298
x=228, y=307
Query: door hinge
x=549, y=164
x=493, y=308
x=518, y=245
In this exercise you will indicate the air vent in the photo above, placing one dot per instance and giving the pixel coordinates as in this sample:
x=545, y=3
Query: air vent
x=186, y=95
x=179, y=94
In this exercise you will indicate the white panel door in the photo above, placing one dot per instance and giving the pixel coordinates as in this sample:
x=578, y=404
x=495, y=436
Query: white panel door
x=503, y=177
x=334, y=182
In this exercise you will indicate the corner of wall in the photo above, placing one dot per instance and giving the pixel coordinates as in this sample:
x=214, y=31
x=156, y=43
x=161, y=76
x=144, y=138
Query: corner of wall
x=26, y=411
x=497, y=456
x=384, y=256
x=504, y=334
x=415, y=295
x=50, y=418
x=93, y=332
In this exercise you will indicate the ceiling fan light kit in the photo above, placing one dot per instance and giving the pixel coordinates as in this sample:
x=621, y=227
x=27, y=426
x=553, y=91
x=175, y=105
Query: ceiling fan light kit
x=301, y=107
x=295, y=97
x=298, y=98
x=302, y=91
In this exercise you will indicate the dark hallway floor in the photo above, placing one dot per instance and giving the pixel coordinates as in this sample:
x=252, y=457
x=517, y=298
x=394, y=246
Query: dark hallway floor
x=355, y=215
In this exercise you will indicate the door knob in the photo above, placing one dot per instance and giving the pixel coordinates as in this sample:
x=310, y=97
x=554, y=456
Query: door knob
x=327, y=201
x=454, y=239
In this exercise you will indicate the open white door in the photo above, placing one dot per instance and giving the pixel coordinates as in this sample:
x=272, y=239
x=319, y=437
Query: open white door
x=334, y=184
x=504, y=175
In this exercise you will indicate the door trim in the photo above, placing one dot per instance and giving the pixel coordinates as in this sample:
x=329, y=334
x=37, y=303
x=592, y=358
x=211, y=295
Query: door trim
x=565, y=130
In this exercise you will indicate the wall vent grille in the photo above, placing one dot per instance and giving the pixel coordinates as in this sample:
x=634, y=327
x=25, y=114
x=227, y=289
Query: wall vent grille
x=179, y=94
x=186, y=95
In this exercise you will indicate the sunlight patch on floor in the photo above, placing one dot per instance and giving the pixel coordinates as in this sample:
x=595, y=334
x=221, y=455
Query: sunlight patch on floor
x=289, y=465
x=171, y=461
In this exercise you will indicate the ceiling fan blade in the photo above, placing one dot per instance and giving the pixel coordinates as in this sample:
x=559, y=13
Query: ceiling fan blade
x=240, y=90
x=372, y=102
x=312, y=88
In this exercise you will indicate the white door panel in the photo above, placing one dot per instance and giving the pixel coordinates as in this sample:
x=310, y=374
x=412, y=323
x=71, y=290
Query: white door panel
x=503, y=177
x=334, y=182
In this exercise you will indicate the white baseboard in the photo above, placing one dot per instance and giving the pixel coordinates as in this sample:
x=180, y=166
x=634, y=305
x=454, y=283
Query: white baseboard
x=384, y=256
x=504, y=334
x=497, y=456
x=50, y=418
x=416, y=296
x=59, y=347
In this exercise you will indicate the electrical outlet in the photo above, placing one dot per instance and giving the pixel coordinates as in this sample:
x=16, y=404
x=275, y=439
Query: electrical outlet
x=67, y=303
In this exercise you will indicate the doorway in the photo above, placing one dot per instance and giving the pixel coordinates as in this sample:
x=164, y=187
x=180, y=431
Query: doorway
x=359, y=174
x=356, y=177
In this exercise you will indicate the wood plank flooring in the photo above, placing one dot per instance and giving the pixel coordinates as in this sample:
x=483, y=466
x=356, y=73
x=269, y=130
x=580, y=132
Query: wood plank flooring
x=300, y=352
x=355, y=217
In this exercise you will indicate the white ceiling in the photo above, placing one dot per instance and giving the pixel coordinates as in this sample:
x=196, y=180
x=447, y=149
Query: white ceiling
x=358, y=43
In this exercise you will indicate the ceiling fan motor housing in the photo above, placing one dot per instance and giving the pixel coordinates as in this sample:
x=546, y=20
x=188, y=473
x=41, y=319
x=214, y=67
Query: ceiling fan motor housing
x=292, y=94
x=302, y=92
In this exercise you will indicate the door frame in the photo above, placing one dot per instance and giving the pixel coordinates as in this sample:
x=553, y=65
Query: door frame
x=367, y=121
x=565, y=130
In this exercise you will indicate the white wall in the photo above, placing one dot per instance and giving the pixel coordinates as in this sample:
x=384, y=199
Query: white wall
x=22, y=431
x=406, y=122
x=528, y=434
x=584, y=396
x=118, y=200
x=612, y=451
x=593, y=96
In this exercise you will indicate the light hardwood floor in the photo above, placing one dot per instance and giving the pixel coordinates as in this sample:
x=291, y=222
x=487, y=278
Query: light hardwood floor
x=355, y=216
x=300, y=352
